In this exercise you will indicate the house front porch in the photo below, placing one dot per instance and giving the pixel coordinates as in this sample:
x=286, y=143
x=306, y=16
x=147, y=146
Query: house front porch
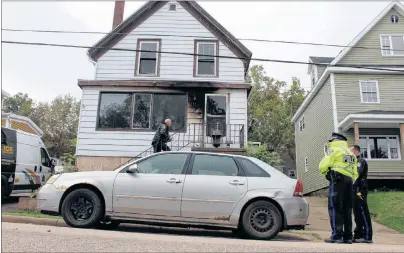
x=380, y=134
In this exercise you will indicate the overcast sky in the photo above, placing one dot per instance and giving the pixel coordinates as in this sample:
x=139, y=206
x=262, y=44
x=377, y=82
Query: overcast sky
x=45, y=72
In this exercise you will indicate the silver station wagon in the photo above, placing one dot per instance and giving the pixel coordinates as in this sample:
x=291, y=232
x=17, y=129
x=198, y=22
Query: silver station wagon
x=190, y=189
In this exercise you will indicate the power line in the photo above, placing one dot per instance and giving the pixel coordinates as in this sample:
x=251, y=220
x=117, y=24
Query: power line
x=192, y=36
x=193, y=54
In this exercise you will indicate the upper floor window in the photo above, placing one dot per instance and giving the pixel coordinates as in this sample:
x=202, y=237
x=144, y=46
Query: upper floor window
x=145, y=111
x=380, y=147
x=392, y=45
x=147, y=63
x=301, y=124
x=369, y=91
x=206, y=64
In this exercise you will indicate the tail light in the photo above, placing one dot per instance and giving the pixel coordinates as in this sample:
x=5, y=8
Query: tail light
x=298, y=189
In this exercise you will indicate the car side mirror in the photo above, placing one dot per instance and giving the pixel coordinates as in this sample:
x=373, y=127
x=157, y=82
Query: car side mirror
x=133, y=169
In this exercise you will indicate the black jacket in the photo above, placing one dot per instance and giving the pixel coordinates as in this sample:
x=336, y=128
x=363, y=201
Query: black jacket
x=162, y=135
x=361, y=183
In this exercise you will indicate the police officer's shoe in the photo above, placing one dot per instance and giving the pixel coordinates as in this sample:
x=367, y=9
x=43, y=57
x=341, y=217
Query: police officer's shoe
x=362, y=240
x=329, y=240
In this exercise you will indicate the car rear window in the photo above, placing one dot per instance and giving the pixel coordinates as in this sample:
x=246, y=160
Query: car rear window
x=251, y=169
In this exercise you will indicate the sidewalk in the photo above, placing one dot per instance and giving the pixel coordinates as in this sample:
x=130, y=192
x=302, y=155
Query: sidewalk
x=319, y=224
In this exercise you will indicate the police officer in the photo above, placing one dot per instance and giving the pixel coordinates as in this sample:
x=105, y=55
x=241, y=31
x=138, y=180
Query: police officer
x=339, y=168
x=363, y=231
x=161, y=137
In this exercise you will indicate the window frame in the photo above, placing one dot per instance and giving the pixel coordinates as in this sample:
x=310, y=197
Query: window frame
x=388, y=147
x=361, y=92
x=216, y=59
x=391, y=49
x=138, y=54
x=301, y=126
x=131, y=129
x=240, y=173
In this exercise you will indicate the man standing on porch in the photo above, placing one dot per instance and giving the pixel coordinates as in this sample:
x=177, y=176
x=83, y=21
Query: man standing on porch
x=161, y=137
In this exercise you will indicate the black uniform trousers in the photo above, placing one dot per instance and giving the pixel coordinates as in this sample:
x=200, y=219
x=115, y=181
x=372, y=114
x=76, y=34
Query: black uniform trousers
x=363, y=221
x=160, y=146
x=340, y=207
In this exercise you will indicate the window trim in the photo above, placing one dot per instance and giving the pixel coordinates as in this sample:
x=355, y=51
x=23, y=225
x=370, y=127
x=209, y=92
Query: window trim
x=131, y=129
x=361, y=93
x=158, y=56
x=306, y=164
x=300, y=125
x=240, y=173
x=391, y=50
x=196, y=51
x=388, y=147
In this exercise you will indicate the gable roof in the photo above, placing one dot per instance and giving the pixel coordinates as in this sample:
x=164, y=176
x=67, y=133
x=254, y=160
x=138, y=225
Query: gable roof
x=151, y=7
x=395, y=4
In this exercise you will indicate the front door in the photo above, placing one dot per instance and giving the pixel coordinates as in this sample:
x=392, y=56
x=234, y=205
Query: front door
x=155, y=190
x=216, y=108
x=213, y=188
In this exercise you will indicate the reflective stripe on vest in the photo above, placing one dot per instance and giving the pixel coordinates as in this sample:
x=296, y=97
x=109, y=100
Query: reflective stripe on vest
x=346, y=167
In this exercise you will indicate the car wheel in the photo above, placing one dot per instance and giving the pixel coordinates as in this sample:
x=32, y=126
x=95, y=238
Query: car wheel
x=82, y=208
x=261, y=220
x=3, y=193
x=108, y=225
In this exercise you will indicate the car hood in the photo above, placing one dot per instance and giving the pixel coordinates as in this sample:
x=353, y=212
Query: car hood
x=89, y=175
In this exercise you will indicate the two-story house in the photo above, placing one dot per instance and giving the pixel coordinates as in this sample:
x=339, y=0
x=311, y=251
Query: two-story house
x=364, y=104
x=169, y=59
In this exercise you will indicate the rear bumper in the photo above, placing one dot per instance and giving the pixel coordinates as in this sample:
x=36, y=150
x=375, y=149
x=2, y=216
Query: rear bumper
x=48, y=198
x=296, y=211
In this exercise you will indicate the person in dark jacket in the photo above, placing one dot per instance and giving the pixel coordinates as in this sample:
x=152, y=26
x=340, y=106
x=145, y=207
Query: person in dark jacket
x=363, y=230
x=161, y=137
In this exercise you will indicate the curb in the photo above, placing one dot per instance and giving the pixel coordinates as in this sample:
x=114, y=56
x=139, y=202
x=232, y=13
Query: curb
x=31, y=220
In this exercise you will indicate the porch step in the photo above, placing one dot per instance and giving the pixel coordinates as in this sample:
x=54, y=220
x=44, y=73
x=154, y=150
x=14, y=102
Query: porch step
x=233, y=151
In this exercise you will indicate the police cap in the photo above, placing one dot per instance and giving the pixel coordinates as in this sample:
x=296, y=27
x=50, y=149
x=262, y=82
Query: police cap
x=337, y=136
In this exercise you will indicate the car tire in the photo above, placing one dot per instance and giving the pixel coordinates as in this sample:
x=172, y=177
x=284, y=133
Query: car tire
x=108, y=225
x=3, y=192
x=261, y=220
x=82, y=208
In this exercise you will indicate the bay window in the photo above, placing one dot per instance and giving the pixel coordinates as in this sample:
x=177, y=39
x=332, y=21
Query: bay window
x=380, y=147
x=141, y=111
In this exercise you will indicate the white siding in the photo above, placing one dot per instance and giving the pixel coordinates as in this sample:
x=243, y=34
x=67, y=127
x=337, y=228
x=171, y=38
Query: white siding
x=129, y=144
x=116, y=65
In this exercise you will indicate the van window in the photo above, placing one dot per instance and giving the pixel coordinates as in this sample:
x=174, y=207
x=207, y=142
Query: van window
x=45, y=161
x=3, y=138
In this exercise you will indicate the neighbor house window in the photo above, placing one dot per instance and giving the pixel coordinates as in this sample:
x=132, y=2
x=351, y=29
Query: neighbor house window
x=206, y=64
x=369, y=91
x=147, y=63
x=301, y=124
x=392, y=45
x=125, y=111
x=380, y=147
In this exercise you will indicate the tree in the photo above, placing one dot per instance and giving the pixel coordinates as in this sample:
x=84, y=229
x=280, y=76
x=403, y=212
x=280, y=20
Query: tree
x=270, y=111
x=20, y=104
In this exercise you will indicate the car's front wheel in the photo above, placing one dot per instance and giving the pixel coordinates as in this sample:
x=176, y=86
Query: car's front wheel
x=261, y=220
x=82, y=208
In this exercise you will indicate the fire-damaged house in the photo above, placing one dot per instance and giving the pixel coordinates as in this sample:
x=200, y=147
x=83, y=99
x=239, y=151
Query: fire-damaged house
x=169, y=59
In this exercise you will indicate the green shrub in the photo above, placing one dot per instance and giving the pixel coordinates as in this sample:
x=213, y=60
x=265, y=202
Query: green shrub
x=262, y=153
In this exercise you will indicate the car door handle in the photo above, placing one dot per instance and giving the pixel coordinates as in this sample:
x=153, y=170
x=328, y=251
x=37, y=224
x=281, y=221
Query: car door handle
x=35, y=168
x=40, y=168
x=173, y=180
x=236, y=182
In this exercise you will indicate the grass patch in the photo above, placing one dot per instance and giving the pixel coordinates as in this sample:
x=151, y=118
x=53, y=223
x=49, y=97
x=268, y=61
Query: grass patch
x=29, y=213
x=387, y=208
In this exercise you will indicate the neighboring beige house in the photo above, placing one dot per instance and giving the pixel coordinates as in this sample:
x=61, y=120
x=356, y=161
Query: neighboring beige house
x=133, y=92
x=365, y=105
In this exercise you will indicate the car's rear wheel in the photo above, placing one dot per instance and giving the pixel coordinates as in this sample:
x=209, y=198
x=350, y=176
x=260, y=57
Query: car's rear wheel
x=82, y=208
x=261, y=220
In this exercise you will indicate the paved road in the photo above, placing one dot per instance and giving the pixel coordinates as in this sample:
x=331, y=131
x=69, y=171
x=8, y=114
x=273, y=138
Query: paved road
x=35, y=238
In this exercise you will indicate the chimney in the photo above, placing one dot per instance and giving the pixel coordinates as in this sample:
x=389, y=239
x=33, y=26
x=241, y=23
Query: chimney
x=118, y=13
